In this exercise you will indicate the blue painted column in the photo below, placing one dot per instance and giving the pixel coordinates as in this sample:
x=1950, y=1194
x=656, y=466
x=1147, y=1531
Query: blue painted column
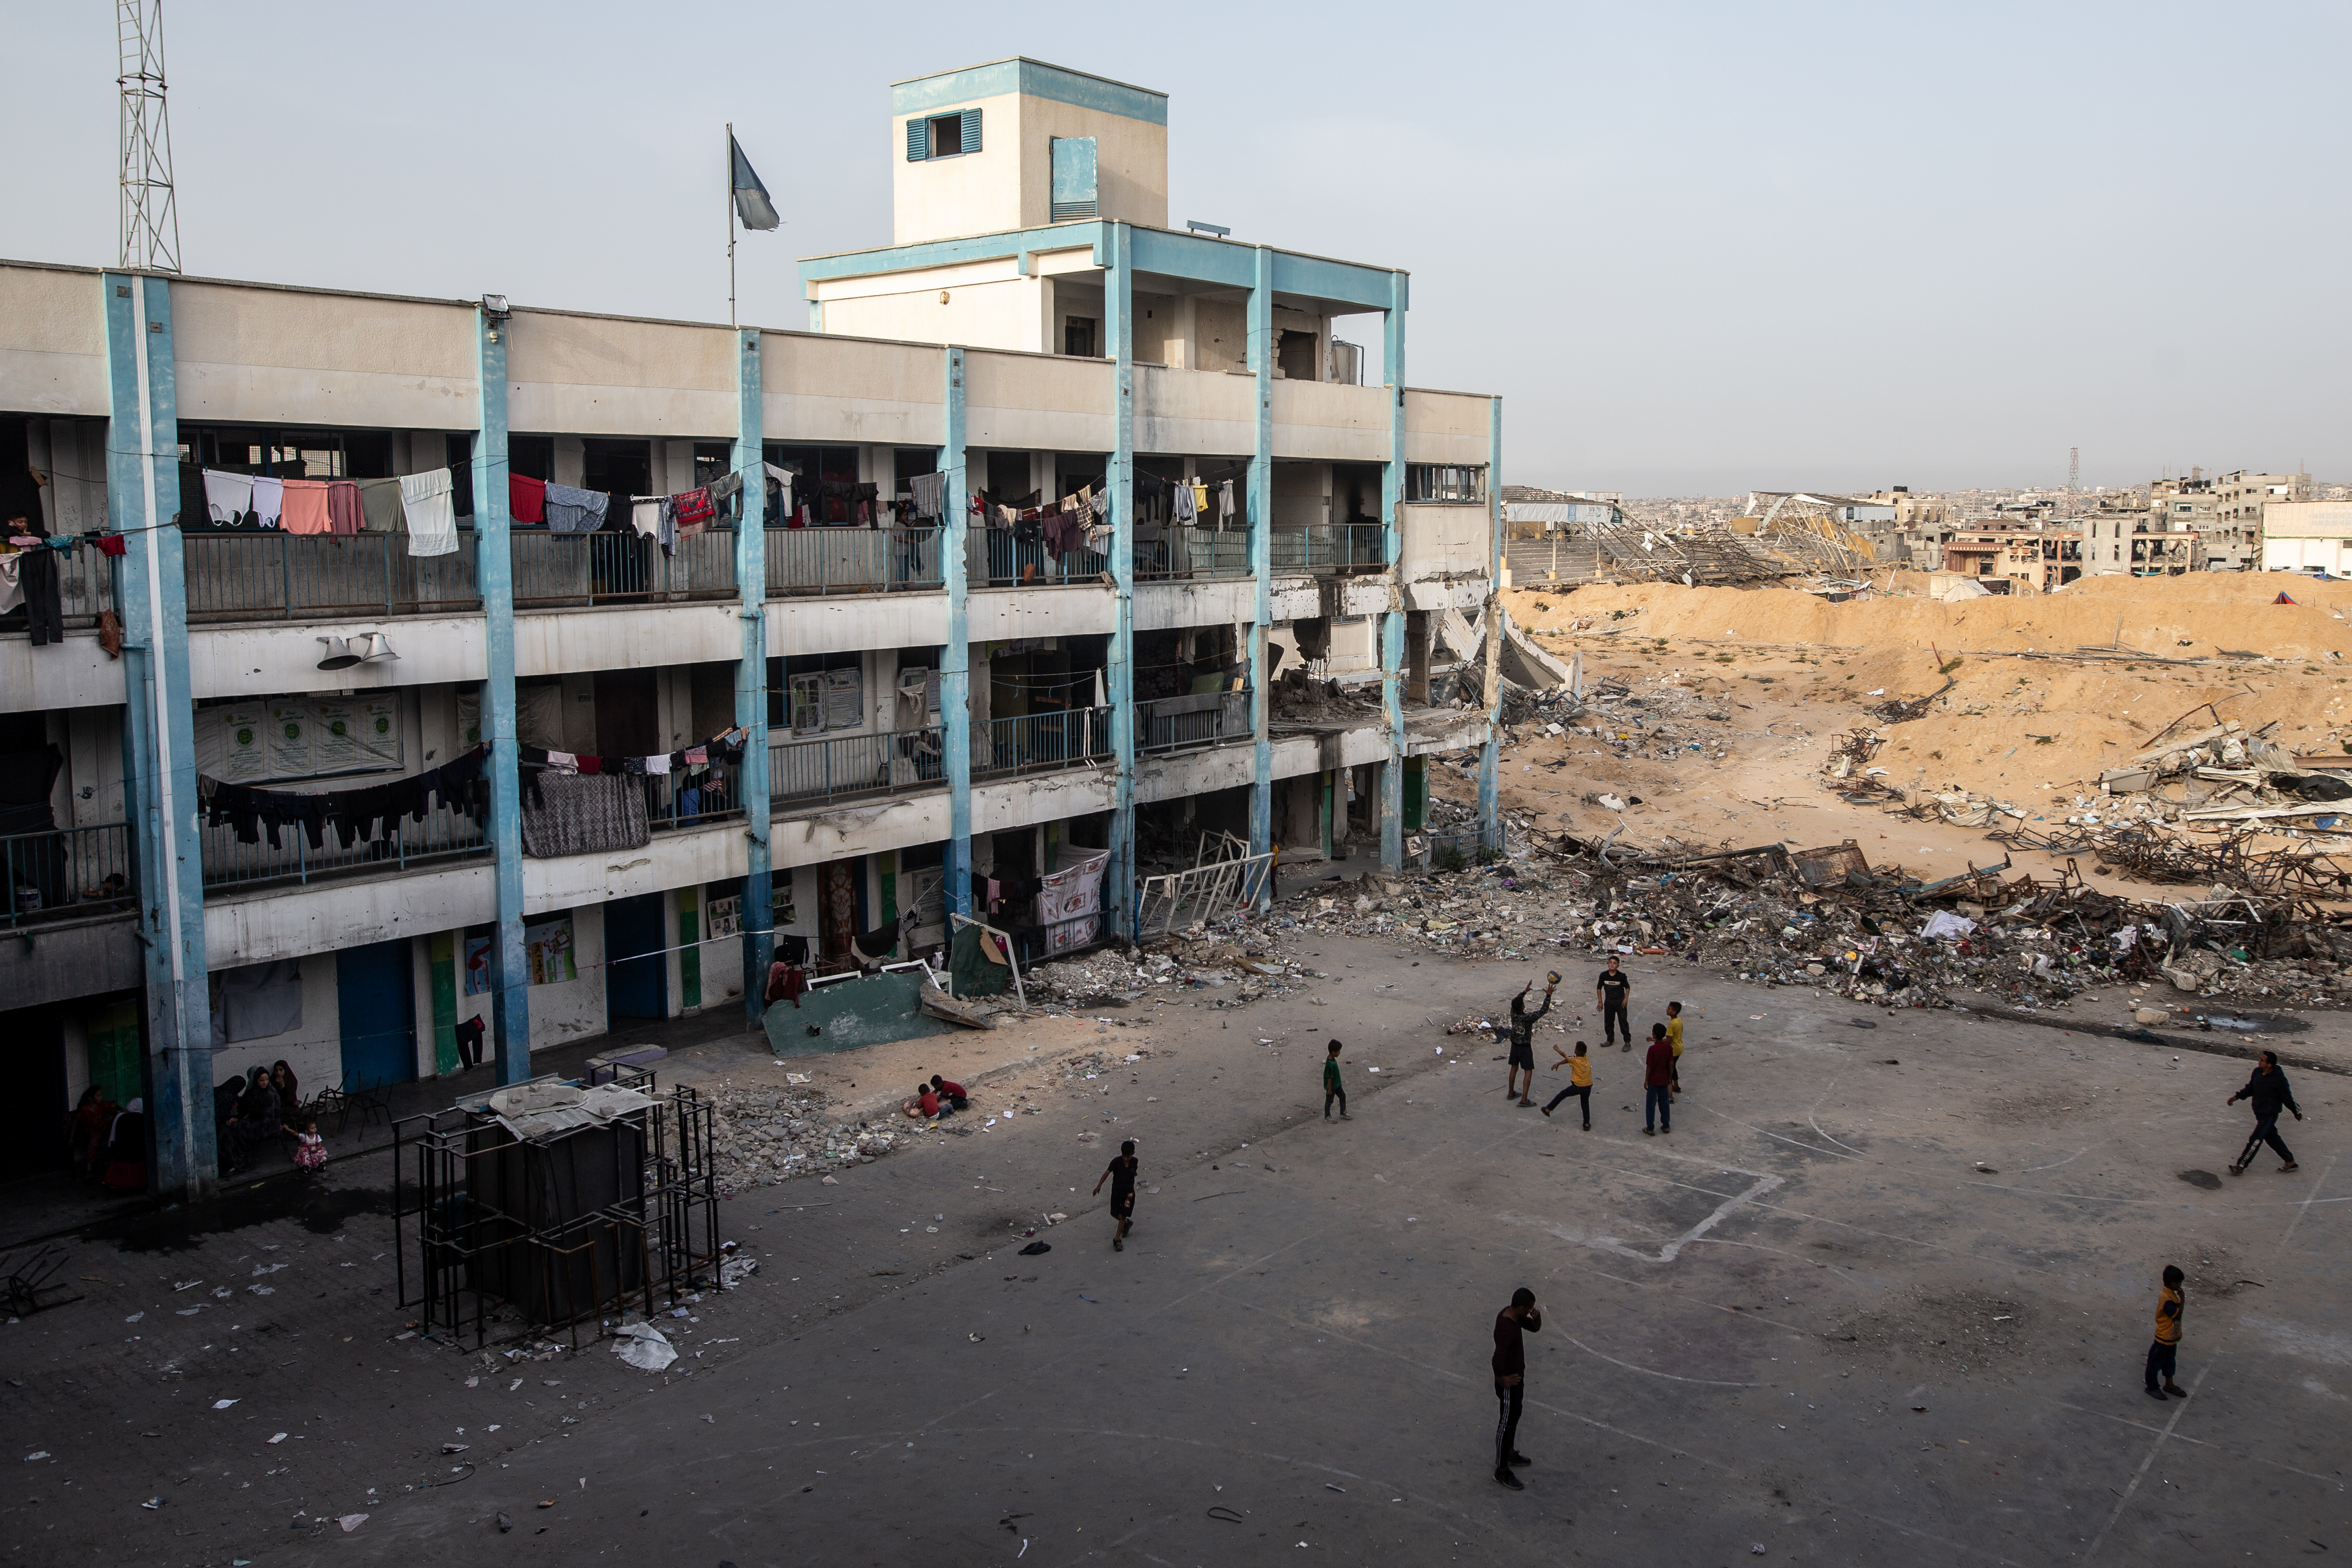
x=955, y=659
x=1392, y=552
x=1119, y=317
x=1490, y=755
x=1259, y=513
x=142, y=497
x=494, y=570
x=751, y=671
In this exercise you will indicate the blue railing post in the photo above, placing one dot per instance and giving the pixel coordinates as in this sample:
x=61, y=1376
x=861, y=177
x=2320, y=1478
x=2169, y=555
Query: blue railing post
x=751, y=673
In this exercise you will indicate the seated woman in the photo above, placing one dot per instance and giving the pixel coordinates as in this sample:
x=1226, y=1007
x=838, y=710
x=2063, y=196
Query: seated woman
x=289, y=1097
x=126, y=1149
x=86, y=1131
x=259, y=1121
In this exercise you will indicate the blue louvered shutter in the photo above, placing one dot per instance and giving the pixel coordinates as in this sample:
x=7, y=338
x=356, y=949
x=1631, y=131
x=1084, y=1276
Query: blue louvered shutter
x=972, y=131
x=1073, y=172
x=918, y=140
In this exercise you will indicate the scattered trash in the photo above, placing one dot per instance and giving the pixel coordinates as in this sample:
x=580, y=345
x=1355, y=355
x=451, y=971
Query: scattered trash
x=277, y=1437
x=643, y=1346
x=734, y=1271
x=1034, y=1248
x=352, y=1521
x=36, y=1454
x=153, y=1502
x=222, y=1404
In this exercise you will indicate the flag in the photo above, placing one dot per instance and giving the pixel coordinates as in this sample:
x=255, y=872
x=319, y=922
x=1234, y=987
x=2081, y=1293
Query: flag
x=751, y=204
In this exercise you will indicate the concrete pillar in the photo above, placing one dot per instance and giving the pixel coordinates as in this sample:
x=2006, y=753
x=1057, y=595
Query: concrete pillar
x=143, y=503
x=1416, y=650
x=1259, y=514
x=1392, y=623
x=752, y=670
x=955, y=659
x=1490, y=813
x=494, y=571
x=1119, y=311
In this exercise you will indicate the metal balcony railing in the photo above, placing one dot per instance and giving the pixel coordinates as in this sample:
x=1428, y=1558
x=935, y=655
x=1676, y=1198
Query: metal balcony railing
x=853, y=560
x=1212, y=718
x=275, y=576
x=995, y=558
x=1328, y=547
x=443, y=836
x=847, y=765
x=1192, y=553
x=614, y=568
x=62, y=873
x=676, y=800
x=1040, y=742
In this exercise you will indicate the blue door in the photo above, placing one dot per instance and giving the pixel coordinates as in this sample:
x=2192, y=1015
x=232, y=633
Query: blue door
x=375, y=1004
x=636, y=970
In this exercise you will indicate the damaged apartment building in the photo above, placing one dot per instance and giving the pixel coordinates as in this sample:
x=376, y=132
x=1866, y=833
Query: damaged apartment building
x=398, y=677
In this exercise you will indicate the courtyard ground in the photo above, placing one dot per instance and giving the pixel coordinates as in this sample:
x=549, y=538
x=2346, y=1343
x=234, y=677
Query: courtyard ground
x=1883, y=1295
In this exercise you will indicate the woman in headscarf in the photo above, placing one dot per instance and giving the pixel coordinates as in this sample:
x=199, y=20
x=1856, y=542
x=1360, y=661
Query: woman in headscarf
x=126, y=1149
x=86, y=1131
x=259, y=1119
x=289, y=1100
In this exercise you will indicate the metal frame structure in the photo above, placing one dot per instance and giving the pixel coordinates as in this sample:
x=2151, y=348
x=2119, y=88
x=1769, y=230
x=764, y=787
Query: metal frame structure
x=474, y=1200
x=1212, y=888
x=150, y=221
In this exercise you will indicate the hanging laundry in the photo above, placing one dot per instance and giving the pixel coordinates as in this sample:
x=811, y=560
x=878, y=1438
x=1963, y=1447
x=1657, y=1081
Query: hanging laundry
x=645, y=515
x=526, y=499
x=1225, y=504
x=697, y=757
x=562, y=762
x=343, y=514
x=228, y=498
x=576, y=511
x=780, y=490
x=429, y=510
x=11, y=582
x=1185, y=512
x=1200, y=497
x=380, y=508
x=306, y=507
x=268, y=500
x=931, y=493
x=692, y=510
x=1099, y=505
x=589, y=766
x=112, y=544
x=658, y=765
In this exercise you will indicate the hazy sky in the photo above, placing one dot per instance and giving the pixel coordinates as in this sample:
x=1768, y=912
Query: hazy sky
x=1695, y=248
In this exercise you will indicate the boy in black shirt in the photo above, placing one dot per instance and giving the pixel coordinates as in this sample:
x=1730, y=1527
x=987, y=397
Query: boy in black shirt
x=1523, y=1044
x=1614, y=989
x=1121, y=1174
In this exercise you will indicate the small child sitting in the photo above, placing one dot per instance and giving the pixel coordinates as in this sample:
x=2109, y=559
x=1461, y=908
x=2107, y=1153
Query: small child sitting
x=925, y=1105
x=309, y=1149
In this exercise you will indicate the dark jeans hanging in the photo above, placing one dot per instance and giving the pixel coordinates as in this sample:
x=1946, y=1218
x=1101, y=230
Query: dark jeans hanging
x=44, y=599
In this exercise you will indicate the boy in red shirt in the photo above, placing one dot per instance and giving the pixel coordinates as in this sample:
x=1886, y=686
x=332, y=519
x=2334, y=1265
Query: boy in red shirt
x=1657, y=1084
x=952, y=1095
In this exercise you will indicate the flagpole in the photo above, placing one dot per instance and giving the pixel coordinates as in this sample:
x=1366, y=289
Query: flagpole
x=730, y=223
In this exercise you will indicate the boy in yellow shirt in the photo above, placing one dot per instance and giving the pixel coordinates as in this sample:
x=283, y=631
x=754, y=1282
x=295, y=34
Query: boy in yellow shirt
x=1579, y=1080
x=2164, y=1355
x=1674, y=1039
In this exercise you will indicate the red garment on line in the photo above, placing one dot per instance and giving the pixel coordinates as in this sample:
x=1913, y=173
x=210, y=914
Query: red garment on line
x=526, y=499
x=344, y=516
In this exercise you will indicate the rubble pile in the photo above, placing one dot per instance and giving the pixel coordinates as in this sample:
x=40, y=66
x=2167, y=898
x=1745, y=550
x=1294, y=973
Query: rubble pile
x=1238, y=962
x=763, y=1135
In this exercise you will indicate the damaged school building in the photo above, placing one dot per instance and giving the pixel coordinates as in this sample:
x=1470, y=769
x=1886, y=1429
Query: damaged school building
x=394, y=674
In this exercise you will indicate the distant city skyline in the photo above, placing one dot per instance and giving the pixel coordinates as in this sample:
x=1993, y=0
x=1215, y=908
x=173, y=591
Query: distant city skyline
x=1697, y=250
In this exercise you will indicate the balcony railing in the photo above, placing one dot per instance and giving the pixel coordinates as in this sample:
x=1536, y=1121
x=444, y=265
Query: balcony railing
x=88, y=583
x=996, y=558
x=848, y=765
x=676, y=800
x=62, y=873
x=1040, y=742
x=1212, y=718
x=1328, y=547
x=853, y=560
x=275, y=576
x=1192, y=553
x=614, y=568
x=443, y=835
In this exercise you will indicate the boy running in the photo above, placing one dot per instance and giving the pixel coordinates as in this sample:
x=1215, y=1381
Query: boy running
x=1121, y=1174
x=2268, y=1091
x=1579, y=1080
x=2163, y=1356
x=1332, y=1086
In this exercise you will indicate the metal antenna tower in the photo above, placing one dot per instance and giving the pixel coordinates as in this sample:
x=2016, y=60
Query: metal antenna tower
x=150, y=217
x=2073, y=469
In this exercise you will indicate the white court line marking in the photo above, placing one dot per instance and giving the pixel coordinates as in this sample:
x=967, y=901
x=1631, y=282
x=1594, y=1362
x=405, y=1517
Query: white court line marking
x=1654, y=1371
x=1793, y=1143
x=1763, y=1183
